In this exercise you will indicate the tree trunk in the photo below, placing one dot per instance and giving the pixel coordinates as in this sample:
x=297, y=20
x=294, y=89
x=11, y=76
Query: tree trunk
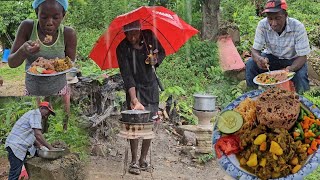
x=210, y=21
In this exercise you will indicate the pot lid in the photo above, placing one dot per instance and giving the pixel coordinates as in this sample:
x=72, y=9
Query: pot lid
x=135, y=112
x=204, y=95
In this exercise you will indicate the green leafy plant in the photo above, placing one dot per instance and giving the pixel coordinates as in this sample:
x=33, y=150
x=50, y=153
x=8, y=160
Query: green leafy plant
x=179, y=102
x=205, y=158
x=314, y=96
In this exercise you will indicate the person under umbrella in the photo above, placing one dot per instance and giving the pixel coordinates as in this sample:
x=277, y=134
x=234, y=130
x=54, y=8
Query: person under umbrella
x=137, y=54
x=171, y=32
x=25, y=135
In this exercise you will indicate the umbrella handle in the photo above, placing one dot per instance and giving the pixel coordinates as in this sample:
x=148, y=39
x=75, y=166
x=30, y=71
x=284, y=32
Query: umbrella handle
x=158, y=80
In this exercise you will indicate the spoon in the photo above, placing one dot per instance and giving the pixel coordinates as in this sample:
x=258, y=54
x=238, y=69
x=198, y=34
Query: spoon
x=268, y=67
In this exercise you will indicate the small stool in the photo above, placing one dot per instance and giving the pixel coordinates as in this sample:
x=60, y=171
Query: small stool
x=289, y=86
x=135, y=131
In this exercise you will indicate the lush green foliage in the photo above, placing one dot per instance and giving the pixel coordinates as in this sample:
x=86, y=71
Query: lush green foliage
x=307, y=12
x=314, y=96
x=10, y=19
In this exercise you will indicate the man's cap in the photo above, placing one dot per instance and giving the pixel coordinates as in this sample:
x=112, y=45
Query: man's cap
x=135, y=25
x=275, y=6
x=47, y=105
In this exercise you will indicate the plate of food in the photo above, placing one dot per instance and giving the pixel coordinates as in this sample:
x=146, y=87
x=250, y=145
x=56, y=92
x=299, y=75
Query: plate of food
x=273, y=77
x=50, y=67
x=271, y=134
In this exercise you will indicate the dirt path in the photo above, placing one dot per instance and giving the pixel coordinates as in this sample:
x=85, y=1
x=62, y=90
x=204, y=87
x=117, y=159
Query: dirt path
x=4, y=168
x=12, y=88
x=12, y=81
x=166, y=158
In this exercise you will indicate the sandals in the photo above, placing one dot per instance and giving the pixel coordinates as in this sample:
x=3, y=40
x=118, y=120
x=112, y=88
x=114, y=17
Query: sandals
x=134, y=169
x=144, y=166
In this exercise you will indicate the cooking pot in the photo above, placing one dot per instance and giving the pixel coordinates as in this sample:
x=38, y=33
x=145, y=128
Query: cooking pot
x=51, y=154
x=135, y=116
x=204, y=102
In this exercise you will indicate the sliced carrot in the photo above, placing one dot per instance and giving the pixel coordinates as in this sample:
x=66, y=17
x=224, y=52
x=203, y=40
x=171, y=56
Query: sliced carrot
x=263, y=146
x=305, y=124
x=307, y=140
x=314, y=145
x=296, y=134
x=306, y=119
x=311, y=116
x=310, y=151
x=311, y=121
x=309, y=134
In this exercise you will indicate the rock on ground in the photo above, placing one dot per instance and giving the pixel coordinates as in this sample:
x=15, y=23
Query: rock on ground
x=68, y=167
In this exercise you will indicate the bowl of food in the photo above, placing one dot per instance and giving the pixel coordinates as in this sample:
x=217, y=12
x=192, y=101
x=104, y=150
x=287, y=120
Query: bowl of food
x=50, y=67
x=51, y=154
x=273, y=77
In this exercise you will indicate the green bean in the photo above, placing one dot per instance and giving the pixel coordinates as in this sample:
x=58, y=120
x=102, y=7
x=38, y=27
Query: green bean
x=305, y=110
x=300, y=118
x=301, y=130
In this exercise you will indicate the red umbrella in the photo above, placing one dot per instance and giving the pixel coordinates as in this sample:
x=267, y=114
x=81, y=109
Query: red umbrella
x=171, y=31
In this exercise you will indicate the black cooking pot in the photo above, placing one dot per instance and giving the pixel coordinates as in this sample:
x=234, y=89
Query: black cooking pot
x=135, y=116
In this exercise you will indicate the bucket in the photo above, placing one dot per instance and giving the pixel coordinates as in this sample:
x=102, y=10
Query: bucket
x=6, y=54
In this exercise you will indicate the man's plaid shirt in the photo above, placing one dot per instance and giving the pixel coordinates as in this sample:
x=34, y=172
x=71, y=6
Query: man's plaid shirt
x=292, y=42
x=21, y=137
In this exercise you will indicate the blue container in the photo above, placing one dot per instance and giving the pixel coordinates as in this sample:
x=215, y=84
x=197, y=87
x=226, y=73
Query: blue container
x=6, y=54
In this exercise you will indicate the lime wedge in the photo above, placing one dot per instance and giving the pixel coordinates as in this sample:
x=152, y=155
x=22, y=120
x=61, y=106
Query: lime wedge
x=291, y=74
x=40, y=69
